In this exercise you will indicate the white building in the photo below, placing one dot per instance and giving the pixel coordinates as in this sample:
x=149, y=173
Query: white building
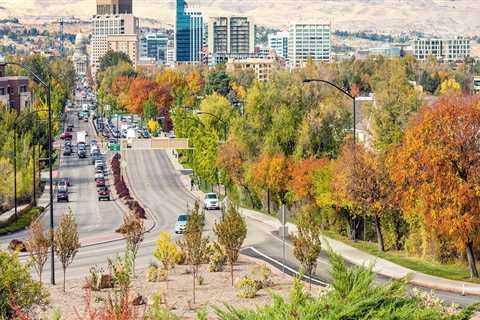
x=105, y=26
x=309, y=41
x=476, y=85
x=446, y=50
x=279, y=43
x=171, y=53
x=230, y=37
x=80, y=56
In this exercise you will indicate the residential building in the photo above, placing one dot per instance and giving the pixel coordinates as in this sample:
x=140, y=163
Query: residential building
x=476, y=84
x=14, y=93
x=230, y=37
x=188, y=34
x=309, y=41
x=446, y=50
x=80, y=56
x=279, y=43
x=114, y=7
x=154, y=45
x=261, y=67
x=106, y=26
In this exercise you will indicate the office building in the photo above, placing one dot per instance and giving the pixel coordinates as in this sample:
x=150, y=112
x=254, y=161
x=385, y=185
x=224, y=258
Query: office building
x=230, y=37
x=309, y=41
x=80, y=56
x=446, y=50
x=154, y=45
x=114, y=7
x=261, y=67
x=170, y=52
x=188, y=34
x=14, y=94
x=388, y=52
x=279, y=43
x=113, y=25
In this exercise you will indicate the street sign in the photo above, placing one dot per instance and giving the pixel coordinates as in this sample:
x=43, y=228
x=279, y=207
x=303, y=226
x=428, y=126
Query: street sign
x=114, y=147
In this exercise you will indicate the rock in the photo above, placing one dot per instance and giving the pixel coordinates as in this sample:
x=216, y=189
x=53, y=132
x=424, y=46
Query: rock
x=17, y=245
x=139, y=301
x=105, y=282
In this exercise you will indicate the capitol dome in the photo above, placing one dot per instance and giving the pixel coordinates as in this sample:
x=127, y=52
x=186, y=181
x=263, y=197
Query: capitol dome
x=81, y=39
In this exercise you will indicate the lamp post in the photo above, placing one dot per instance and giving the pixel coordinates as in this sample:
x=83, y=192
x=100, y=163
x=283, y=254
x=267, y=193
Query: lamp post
x=224, y=123
x=47, y=86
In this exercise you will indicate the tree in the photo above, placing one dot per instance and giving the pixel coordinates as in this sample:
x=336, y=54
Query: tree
x=450, y=87
x=18, y=291
x=113, y=58
x=218, y=81
x=134, y=229
x=150, y=110
x=66, y=241
x=231, y=232
x=302, y=178
x=166, y=251
x=436, y=171
x=38, y=246
x=193, y=243
x=307, y=242
x=153, y=127
x=219, y=106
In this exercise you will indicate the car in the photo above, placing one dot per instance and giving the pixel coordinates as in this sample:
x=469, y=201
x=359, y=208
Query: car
x=67, y=151
x=96, y=158
x=93, y=143
x=62, y=185
x=211, y=201
x=68, y=143
x=69, y=129
x=100, y=183
x=99, y=165
x=66, y=136
x=103, y=194
x=62, y=196
x=99, y=175
x=82, y=154
x=181, y=223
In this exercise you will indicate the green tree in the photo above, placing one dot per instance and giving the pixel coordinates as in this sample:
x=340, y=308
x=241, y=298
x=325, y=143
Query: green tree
x=222, y=110
x=307, y=242
x=113, y=58
x=66, y=241
x=193, y=243
x=150, y=110
x=231, y=232
x=218, y=81
x=18, y=291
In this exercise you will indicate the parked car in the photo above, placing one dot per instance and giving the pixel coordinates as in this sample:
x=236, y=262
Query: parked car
x=211, y=201
x=100, y=183
x=181, y=223
x=62, y=196
x=103, y=194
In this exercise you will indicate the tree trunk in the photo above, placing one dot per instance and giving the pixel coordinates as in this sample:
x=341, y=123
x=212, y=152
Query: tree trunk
x=268, y=201
x=231, y=271
x=310, y=279
x=381, y=245
x=398, y=245
x=40, y=274
x=64, y=272
x=471, y=260
x=194, y=279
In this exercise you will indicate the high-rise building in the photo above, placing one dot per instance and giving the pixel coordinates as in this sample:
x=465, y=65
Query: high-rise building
x=279, y=43
x=114, y=18
x=114, y=7
x=188, y=34
x=261, y=67
x=447, y=50
x=230, y=37
x=154, y=45
x=309, y=41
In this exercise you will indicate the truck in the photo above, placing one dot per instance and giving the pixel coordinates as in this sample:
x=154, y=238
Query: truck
x=82, y=137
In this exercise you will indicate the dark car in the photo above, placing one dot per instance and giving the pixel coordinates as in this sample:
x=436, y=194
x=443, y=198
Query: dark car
x=62, y=195
x=67, y=151
x=66, y=136
x=82, y=154
x=103, y=194
x=100, y=183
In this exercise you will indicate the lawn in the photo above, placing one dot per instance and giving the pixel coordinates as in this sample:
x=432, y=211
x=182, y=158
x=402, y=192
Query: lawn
x=26, y=217
x=453, y=271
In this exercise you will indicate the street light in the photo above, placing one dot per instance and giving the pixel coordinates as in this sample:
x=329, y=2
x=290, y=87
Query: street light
x=224, y=123
x=47, y=86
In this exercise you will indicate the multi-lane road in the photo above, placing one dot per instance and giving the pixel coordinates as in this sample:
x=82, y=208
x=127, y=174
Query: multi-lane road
x=157, y=185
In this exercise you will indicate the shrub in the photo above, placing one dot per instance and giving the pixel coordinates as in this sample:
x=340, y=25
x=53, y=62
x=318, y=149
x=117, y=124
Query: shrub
x=217, y=258
x=261, y=274
x=247, y=288
x=181, y=257
x=93, y=279
x=166, y=251
x=151, y=274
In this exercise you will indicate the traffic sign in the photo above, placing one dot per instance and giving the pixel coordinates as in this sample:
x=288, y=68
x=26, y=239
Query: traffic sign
x=115, y=147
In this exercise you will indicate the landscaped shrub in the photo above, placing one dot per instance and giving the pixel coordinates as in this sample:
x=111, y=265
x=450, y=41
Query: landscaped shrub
x=246, y=288
x=262, y=275
x=217, y=258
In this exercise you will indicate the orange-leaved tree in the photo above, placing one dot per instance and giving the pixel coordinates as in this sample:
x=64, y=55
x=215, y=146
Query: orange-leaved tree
x=437, y=171
x=302, y=178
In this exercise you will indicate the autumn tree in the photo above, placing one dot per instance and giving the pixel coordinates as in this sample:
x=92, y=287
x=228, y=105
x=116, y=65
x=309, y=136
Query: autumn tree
x=66, y=241
x=166, y=251
x=307, y=242
x=193, y=243
x=231, y=232
x=134, y=230
x=436, y=171
x=38, y=245
x=302, y=178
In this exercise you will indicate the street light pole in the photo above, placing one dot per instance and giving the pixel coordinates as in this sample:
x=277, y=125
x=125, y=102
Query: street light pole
x=50, y=173
x=15, y=168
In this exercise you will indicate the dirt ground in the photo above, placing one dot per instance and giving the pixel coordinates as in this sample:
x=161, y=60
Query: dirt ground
x=216, y=291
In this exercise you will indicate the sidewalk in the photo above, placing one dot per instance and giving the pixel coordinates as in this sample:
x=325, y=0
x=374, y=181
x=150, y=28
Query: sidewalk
x=353, y=255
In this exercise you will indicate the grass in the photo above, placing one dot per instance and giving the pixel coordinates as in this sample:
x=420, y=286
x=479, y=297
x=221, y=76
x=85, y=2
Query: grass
x=24, y=220
x=453, y=271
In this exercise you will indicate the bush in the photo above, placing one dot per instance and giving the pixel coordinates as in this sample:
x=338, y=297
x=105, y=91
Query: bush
x=247, y=288
x=93, y=279
x=261, y=274
x=181, y=258
x=24, y=220
x=18, y=291
x=217, y=258
x=151, y=274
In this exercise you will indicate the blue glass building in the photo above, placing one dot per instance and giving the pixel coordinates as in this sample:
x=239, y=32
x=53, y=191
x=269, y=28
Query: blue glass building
x=188, y=34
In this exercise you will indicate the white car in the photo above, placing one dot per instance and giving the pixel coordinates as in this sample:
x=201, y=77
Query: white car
x=211, y=201
x=181, y=223
x=99, y=175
